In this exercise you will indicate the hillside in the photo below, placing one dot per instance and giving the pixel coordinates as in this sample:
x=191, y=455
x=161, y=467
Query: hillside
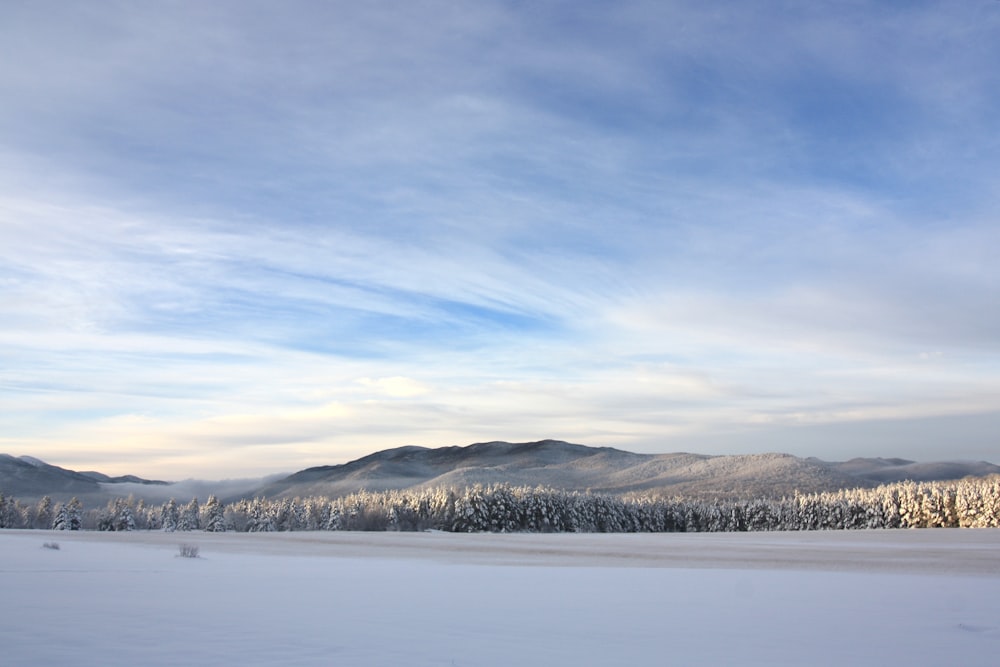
x=28, y=479
x=549, y=463
x=885, y=471
x=25, y=476
x=562, y=465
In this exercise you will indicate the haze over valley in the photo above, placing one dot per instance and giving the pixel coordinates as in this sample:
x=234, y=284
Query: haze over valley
x=548, y=463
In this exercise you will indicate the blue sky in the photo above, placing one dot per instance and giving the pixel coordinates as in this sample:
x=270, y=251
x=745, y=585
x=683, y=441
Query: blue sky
x=238, y=238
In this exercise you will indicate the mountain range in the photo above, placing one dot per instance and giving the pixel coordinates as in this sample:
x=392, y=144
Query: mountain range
x=562, y=465
x=29, y=478
x=549, y=463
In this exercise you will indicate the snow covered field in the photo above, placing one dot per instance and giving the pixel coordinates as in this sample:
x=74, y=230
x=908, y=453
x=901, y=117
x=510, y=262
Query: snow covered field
x=917, y=597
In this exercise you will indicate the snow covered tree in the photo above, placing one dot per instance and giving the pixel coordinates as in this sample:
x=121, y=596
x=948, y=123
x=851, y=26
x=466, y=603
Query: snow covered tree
x=502, y=508
x=3, y=511
x=215, y=519
x=14, y=514
x=105, y=518
x=260, y=517
x=140, y=512
x=335, y=515
x=74, y=514
x=315, y=513
x=169, y=516
x=190, y=516
x=59, y=518
x=117, y=516
x=44, y=514
x=124, y=518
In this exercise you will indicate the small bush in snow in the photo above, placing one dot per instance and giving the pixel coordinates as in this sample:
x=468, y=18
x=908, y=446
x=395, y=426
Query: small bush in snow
x=188, y=551
x=51, y=545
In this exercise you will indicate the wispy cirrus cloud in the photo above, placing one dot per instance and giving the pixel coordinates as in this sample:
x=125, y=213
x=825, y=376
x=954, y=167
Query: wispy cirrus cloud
x=303, y=232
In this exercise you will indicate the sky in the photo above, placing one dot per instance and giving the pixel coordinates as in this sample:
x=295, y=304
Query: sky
x=241, y=237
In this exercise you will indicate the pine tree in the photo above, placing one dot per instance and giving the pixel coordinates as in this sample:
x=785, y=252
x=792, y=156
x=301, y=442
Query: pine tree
x=43, y=513
x=59, y=518
x=124, y=519
x=215, y=519
x=169, y=516
x=13, y=514
x=190, y=518
x=141, y=513
x=105, y=517
x=74, y=514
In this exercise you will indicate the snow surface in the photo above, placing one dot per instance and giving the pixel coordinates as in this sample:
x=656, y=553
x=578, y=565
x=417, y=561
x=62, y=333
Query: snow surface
x=918, y=597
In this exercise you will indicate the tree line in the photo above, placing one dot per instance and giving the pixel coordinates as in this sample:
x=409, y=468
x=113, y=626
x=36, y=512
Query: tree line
x=968, y=503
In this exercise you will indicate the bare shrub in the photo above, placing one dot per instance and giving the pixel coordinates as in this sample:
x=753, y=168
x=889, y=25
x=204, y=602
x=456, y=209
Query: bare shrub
x=51, y=545
x=188, y=551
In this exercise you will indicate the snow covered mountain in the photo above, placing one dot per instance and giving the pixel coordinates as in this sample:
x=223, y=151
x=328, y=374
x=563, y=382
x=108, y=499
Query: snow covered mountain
x=548, y=463
x=562, y=465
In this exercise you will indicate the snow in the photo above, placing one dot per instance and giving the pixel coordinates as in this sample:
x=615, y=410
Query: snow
x=31, y=460
x=918, y=597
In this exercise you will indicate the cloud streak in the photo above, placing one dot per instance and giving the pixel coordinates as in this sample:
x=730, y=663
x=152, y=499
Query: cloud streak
x=236, y=239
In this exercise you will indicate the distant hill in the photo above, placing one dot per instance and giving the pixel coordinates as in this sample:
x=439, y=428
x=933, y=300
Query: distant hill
x=28, y=478
x=884, y=471
x=121, y=479
x=548, y=463
x=557, y=464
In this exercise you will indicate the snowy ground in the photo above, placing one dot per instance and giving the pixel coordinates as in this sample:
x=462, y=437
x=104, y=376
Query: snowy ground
x=918, y=597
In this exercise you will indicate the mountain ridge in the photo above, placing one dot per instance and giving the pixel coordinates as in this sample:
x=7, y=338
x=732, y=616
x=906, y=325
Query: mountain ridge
x=562, y=465
x=29, y=478
x=548, y=463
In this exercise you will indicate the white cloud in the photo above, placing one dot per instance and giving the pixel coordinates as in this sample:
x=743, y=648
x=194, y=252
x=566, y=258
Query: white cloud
x=298, y=233
x=396, y=386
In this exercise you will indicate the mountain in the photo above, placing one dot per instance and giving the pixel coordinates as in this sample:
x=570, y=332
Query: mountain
x=549, y=463
x=121, y=479
x=562, y=465
x=885, y=471
x=28, y=479
x=26, y=476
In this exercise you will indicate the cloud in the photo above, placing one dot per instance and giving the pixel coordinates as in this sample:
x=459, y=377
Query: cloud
x=304, y=232
x=395, y=387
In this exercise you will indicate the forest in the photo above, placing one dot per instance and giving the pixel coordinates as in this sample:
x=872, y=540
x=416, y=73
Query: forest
x=967, y=503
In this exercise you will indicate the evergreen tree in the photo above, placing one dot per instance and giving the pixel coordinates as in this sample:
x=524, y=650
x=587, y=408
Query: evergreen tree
x=141, y=513
x=190, y=516
x=502, y=508
x=261, y=516
x=44, y=514
x=106, y=517
x=74, y=514
x=215, y=520
x=169, y=516
x=124, y=518
x=59, y=518
x=12, y=513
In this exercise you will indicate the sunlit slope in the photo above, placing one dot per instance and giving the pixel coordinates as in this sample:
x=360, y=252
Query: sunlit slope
x=561, y=465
